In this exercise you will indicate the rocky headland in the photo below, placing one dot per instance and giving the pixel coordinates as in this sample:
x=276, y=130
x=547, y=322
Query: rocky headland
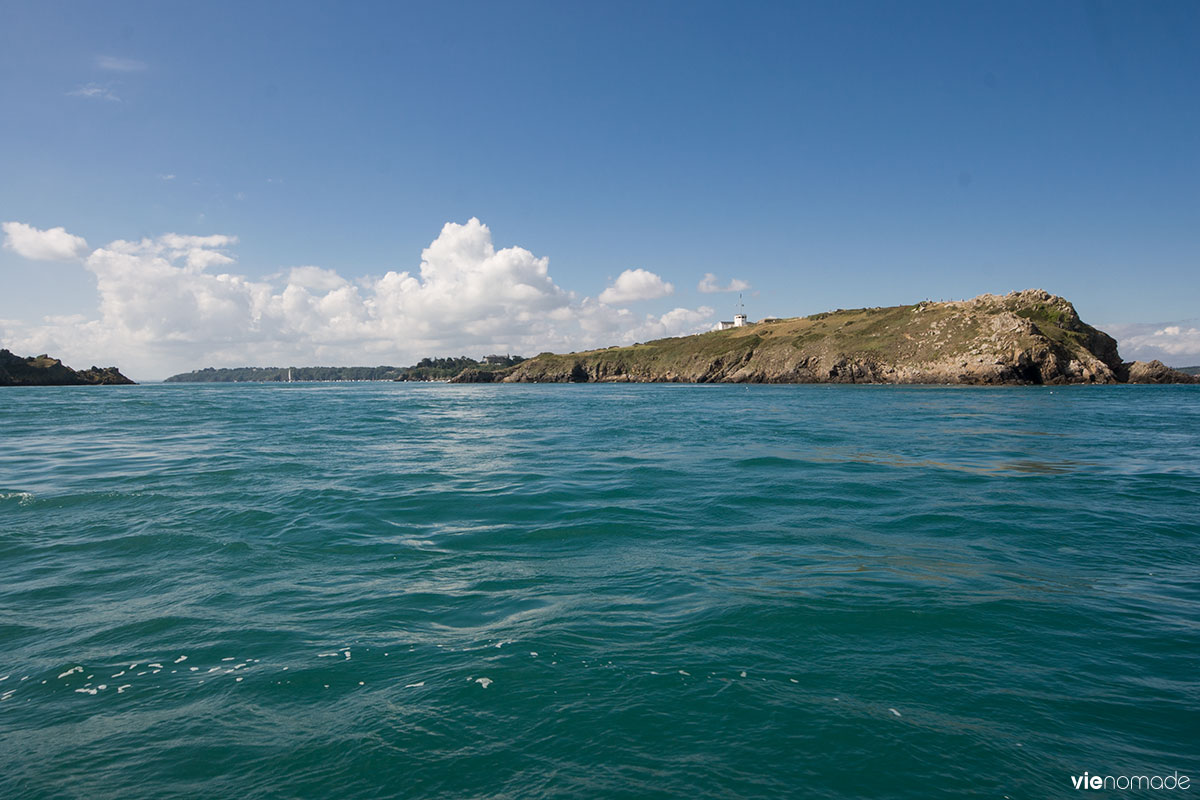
x=1028, y=337
x=46, y=371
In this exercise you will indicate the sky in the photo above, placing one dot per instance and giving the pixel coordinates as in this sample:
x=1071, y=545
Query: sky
x=227, y=184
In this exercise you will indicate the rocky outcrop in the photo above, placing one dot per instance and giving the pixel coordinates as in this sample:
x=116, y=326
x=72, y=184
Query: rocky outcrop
x=1029, y=337
x=1155, y=372
x=46, y=371
x=472, y=375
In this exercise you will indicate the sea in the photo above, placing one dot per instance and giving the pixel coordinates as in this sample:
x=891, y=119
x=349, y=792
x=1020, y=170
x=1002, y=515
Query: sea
x=379, y=590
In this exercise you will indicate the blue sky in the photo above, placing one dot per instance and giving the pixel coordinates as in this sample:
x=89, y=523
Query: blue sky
x=828, y=155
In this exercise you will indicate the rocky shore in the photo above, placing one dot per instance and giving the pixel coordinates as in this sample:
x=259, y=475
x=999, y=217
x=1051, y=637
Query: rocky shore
x=46, y=371
x=1028, y=337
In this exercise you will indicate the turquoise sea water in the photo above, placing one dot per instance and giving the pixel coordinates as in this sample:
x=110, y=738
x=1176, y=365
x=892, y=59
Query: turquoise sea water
x=396, y=590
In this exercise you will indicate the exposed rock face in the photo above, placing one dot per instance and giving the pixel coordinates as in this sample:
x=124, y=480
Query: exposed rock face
x=1156, y=372
x=46, y=371
x=1029, y=337
x=471, y=375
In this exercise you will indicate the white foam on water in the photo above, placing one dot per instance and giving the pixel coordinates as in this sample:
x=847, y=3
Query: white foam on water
x=414, y=685
x=215, y=669
x=86, y=691
x=347, y=655
x=743, y=673
x=102, y=686
x=360, y=683
x=117, y=674
x=238, y=679
x=71, y=671
x=231, y=658
x=193, y=669
x=793, y=680
x=156, y=666
x=681, y=672
x=328, y=655
x=180, y=660
x=4, y=678
x=894, y=711
x=533, y=653
x=484, y=682
x=121, y=689
x=155, y=672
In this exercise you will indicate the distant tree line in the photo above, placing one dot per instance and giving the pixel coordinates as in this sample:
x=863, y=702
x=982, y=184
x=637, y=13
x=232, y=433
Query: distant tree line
x=427, y=369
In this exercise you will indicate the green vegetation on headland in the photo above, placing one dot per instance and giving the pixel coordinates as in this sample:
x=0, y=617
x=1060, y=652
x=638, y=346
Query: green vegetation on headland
x=427, y=369
x=46, y=371
x=1029, y=337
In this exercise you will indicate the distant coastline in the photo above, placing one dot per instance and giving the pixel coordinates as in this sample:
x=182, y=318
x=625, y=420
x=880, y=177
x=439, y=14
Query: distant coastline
x=1028, y=337
x=427, y=369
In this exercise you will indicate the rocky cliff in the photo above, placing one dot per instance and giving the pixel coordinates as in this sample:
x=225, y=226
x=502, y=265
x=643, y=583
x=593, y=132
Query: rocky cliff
x=46, y=371
x=1029, y=337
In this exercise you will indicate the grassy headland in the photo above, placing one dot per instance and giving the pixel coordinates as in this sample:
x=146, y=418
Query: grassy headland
x=1020, y=338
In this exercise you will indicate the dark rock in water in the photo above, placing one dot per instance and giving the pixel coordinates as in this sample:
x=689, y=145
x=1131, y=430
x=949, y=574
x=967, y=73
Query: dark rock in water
x=1155, y=372
x=472, y=375
x=46, y=371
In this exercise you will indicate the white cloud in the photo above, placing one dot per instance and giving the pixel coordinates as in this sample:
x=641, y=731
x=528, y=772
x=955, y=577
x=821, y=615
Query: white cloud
x=314, y=278
x=1176, y=343
x=95, y=91
x=54, y=244
x=168, y=176
x=636, y=284
x=114, y=64
x=710, y=285
x=164, y=307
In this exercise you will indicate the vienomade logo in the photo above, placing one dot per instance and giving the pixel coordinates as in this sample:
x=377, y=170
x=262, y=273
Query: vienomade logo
x=1172, y=781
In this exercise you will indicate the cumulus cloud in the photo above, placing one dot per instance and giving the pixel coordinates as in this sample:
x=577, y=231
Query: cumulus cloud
x=709, y=284
x=114, y=64
x=1175, y=343
x=95, y=91
x=54, y=244
x=636, y=284
x=171, y=304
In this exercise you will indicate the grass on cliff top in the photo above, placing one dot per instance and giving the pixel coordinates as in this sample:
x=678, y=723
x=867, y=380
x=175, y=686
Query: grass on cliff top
x=920, y=332
x=886, y=332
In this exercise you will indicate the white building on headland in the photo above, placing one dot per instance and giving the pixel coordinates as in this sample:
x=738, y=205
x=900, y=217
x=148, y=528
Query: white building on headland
x=739, y=319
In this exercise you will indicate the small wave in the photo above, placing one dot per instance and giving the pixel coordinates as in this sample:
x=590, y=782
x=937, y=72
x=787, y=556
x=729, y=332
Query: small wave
x=22, y=498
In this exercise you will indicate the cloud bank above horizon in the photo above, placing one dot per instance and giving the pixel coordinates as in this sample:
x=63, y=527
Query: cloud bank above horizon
x=1170, y=342
x=166, y=306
